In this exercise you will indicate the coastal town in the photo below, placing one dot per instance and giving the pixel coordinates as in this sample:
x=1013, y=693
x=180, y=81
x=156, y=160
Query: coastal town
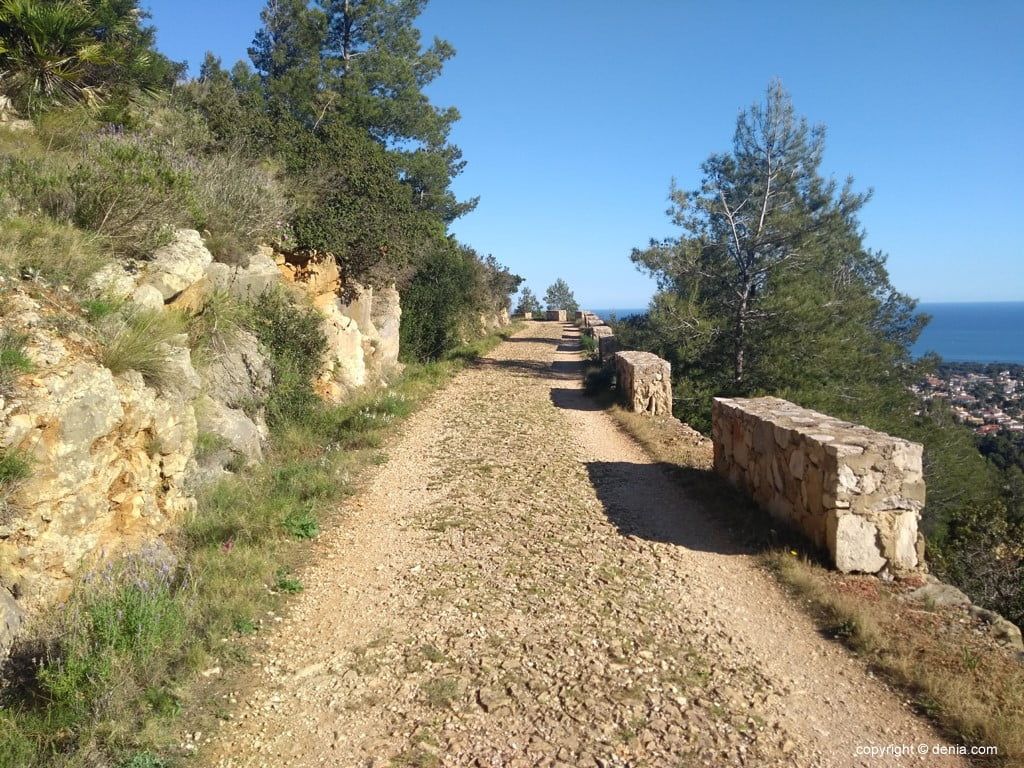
x=989, y=398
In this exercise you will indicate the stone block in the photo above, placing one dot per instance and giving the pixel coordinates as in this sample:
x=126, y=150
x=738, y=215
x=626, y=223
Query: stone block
x=853, y=491
x=557, y=315
x=644, y=382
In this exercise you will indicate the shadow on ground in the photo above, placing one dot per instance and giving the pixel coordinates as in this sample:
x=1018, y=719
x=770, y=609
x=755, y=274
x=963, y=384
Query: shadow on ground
x=649, y=501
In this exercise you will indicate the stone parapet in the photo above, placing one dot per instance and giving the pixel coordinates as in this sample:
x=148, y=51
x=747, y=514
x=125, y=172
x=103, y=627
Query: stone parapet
x=852, y=491
x=557, y=314
x=644, y=382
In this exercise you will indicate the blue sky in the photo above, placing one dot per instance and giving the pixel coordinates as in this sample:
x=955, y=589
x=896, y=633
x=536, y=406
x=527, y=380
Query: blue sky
x=577, y=113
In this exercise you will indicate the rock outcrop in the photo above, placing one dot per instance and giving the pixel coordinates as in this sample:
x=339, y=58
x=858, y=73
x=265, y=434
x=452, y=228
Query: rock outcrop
x=855, y=492
x=113, y=459
x=109, y=458
x=362, y=328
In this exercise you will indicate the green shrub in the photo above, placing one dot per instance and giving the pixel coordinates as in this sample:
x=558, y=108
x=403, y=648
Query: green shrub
x=215, y=327
x=113, y=634
x=101, y=307
x=132, y=194
x=142, y=341
x=240, y=203
x=436, y=304
x=296, y=343
x=301, y=523
x=114, y=186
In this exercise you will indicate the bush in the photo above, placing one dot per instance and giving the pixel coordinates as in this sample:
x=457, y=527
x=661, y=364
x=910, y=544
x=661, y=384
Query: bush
x=132, y=194
x=295, y=340
x=142, y=340
x=110, y=633
x=240, y=203
x=116, y=187
x=436, y=304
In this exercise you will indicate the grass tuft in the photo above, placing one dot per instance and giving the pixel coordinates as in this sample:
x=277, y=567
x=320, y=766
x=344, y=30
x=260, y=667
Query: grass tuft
x=142, y=341
x=13, y=359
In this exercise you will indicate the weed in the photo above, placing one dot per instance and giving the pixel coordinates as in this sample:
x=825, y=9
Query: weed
x=440, y=691
x=301, y=523
x=97, y=309
x=13, y=360
x=214, y=328
x=14, y=467
x=142, y=341
x=287, y=583
x=432, y=654
x=57, y=252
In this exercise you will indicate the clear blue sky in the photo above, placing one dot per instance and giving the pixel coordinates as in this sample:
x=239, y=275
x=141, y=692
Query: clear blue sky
x=576, y=114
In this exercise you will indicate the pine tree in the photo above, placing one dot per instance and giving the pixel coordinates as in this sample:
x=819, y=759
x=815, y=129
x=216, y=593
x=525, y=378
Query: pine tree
x=528, y=302
x=377, y=68
x=559, y=296
x=770, y=286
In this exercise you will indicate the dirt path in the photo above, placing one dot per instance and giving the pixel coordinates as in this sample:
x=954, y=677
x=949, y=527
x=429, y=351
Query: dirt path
x=521, y=585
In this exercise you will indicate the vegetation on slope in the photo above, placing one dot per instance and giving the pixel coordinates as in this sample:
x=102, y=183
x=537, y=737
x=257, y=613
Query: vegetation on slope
x=770, y=290
x=326, y=143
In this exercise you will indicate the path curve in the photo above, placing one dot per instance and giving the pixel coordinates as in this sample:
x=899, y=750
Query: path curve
x=521, y=585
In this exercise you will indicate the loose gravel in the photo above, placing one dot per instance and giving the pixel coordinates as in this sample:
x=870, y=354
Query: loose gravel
x=521, y=585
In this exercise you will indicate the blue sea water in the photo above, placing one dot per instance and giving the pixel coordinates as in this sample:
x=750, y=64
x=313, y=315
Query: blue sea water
x=976, y=332
x=989, y=332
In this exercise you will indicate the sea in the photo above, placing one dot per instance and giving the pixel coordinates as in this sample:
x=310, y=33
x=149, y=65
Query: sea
x=960, y=332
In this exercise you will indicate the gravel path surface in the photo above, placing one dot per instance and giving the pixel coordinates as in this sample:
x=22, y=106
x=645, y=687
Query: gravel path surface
x=522, y=585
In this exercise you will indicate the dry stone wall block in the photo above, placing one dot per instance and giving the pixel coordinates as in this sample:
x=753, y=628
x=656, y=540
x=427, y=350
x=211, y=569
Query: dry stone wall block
x=645, y=382
x=853, y=491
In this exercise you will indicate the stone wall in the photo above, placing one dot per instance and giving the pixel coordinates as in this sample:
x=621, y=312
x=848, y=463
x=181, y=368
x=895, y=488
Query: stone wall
x=852, y=491
x=644, y=382
x=557, y=314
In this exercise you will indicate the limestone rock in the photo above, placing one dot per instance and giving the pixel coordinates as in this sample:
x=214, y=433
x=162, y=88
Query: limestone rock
x=853, y=541
x=940, y=595
x=387, y=317
x=344, y=364
x=177, y=265
x=148, y=297
x=109, y=457
x=251, y=281
x=115, y=281
x=239, y=376
x=317, y=273
x=240, y=433
x=11, y=619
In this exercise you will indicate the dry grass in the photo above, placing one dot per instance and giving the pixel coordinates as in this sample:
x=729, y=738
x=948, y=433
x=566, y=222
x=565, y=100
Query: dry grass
x=971, y=688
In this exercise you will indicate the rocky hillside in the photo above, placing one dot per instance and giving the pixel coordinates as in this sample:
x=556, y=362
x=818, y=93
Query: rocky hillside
x=114, y=454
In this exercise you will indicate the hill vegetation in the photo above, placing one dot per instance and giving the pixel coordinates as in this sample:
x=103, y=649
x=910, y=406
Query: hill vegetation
x=326, y=143
x=770, y=290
